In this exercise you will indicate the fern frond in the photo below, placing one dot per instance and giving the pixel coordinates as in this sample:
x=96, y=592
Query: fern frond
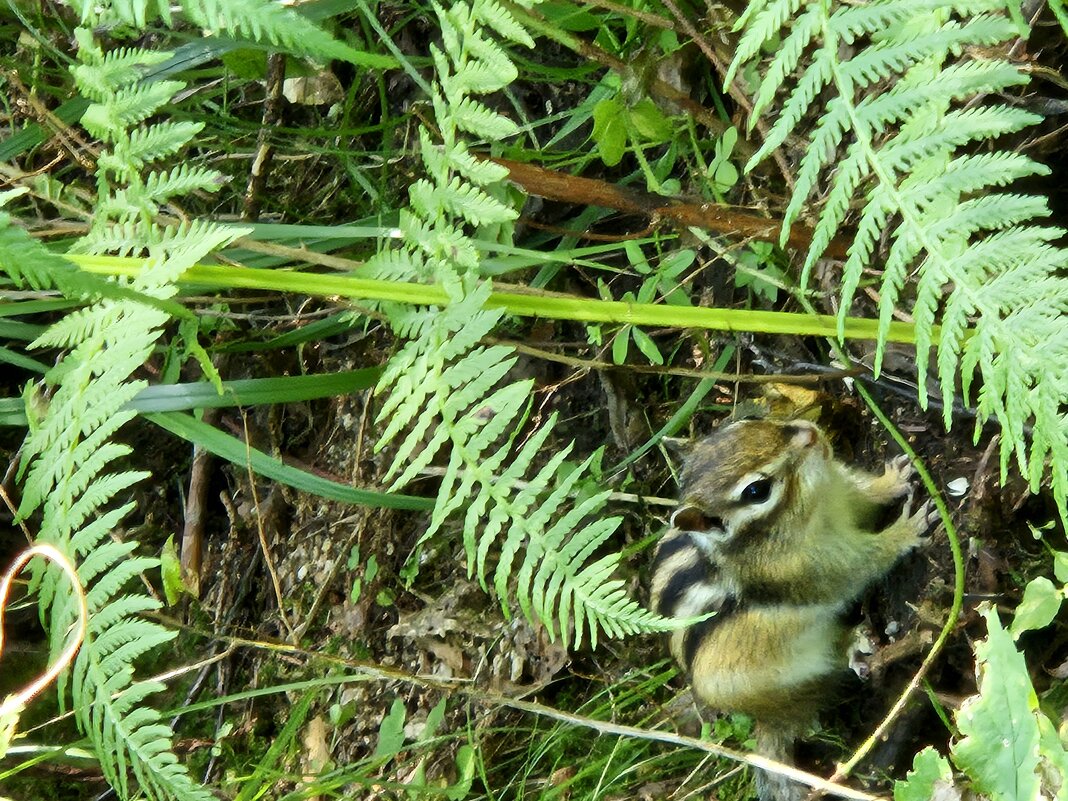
x=493, y=14
x=481, y=438
x=527, y=530
x=973, y=260
x=257, y=20
x=36, y=268
x=477, y=171
x=182, y=180
x=436, y=243
x=100, y=556
x=480, y=503
x=69, y=457
x=157, y=142
x=100, y=73
x=447, y=392
x=475, y=118
x=455, y=386
x=126, y=108
x=266, y=20
x=761, y=21
x=460, y=198
x=390, y=264
x=785, y=62
x=132, y=12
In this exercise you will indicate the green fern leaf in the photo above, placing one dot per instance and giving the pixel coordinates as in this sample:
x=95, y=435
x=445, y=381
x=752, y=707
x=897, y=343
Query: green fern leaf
x=493, y=14
x=266, y=20
x=127, y=108
x=182, y=180
x=975, y=261
x=29, y=265
x=156, y=142
x=446, y=390
x=475, y=206
x=100, y=556
x=453, y=495
x=786, y=61
x=762, y=20
x=556, y=541
x=473, y=117
x=101, y=74
x=477, y=171
x=477, y=511
x=437, y=244
x=816, y=77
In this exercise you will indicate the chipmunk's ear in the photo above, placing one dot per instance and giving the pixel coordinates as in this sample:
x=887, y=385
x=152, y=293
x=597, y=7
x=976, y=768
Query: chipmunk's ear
x=677, y=447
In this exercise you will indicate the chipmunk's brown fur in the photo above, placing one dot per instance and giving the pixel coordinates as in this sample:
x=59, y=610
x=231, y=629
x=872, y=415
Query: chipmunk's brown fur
x=777, y=538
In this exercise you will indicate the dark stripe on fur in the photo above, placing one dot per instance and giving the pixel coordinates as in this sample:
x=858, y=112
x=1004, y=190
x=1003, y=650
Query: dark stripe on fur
x=699, y=632
x=677, y=586
x=668, y=547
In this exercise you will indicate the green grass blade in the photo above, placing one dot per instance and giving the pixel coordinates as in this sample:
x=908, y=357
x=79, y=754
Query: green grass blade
x=234, y=450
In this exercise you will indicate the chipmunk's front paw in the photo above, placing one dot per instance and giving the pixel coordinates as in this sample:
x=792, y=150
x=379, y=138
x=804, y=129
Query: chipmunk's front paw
x=896, y=476
x=917, y=522
x=893, y=484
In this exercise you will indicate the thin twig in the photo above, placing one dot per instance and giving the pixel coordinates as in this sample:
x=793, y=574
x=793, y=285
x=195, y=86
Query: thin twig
x=264, y=547
x=192, y=554
x=272, y=115
x=685, y=372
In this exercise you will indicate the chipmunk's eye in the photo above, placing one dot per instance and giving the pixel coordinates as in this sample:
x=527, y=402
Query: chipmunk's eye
x=756, y=492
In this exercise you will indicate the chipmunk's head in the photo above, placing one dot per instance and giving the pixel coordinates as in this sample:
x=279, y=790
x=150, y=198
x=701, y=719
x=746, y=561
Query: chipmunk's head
x=747, y=478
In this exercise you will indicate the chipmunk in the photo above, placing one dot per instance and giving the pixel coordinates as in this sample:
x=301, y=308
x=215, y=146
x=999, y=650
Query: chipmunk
x=777, y=538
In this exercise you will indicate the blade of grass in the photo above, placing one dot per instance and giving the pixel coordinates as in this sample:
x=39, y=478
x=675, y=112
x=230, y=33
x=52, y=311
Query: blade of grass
x=240, y=453
x=9, y=356
x=315, y=331
x=253, y=391
x=202, y=394
x=16, y=329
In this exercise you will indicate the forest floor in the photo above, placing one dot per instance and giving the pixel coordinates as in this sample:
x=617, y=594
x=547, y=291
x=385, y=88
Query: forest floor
x=296, y=589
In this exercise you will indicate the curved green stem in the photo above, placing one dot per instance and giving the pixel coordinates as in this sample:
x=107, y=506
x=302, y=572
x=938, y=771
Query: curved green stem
x=862, y=751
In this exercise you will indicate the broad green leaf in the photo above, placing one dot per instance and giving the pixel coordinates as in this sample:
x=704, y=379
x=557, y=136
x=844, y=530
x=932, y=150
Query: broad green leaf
x=1060, y=566
x=650, y=122
x=1055, y=758
x=610, y=131
x=928, y=768
x=171, y=572
x=724, y=176
x=391, y=732
x=434, y=720
x=999, y=749
x=465, y=769
x=620, y=346
x=1040, y=604
x=647, y=346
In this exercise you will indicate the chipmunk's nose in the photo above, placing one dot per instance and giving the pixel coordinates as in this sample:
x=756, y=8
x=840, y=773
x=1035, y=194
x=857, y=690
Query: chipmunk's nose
x=692, y=518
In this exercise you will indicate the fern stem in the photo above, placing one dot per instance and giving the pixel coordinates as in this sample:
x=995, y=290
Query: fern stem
x=554, y=306
x=845, y=768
